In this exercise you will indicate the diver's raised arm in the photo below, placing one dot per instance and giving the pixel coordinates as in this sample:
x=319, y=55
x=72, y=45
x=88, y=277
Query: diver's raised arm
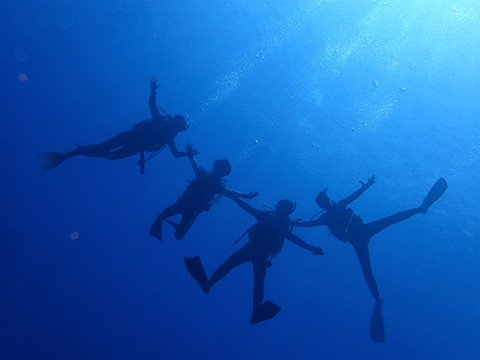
x=152, y=101
x=317, y=250
x=176, y=153
x=190, y=152
x=356, y=194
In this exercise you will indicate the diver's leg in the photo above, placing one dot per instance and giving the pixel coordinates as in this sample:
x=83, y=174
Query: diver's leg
x=259, y=272
x=156, y=228
x=363, y=255
x=123, y=152
x=375, y=227
x=186, y=223
x=100, y=150
x=261, y=310
x=239, y=257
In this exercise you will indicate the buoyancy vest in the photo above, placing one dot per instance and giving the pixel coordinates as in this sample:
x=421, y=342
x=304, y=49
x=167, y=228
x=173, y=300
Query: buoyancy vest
x=151, y=135
x=269, y=233
x=200, y=194
x=340, y=220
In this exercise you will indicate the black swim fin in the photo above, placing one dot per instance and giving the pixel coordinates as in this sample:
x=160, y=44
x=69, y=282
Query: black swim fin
x=267, y=311
x=434, y=194
x=156, y=228
x=195, y=268
x=49, y=160
x=377, y=329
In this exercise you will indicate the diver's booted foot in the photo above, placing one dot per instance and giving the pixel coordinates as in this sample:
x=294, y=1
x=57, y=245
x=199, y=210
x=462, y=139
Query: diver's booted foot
x=49, y=160
x=179, y=235
x=267, y=311
x=377, y=328
x=433, y=195
x=195, y=268
x=156, y=228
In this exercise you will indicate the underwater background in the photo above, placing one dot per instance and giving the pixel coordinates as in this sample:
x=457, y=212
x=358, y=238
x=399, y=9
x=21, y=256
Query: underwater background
x=299, y=96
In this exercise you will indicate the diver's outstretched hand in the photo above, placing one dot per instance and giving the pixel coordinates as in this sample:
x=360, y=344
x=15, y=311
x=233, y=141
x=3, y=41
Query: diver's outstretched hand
x=371, y=180
x=317, y=250
x=250, y=195
x=153, y=84
x=190, y=150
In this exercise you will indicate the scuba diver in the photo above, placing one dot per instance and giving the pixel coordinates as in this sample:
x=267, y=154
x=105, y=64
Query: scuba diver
x=347, y=226
x=146, y=136
x=204, y=191
x=266, y=239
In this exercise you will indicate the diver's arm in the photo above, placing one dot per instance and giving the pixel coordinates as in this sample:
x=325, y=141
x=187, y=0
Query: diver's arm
x=301, y=223
x=250, y=209
x=190, y=152
x=174, y=150
x=152, y=101
x=317, y=250
x=250, y=195
x=356, y=194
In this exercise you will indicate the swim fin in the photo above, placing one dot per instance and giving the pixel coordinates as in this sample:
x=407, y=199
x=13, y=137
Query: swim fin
x=434, y=194
x=377, y=329
x=49, y=160
x=195, y=268
x=267, y=311
x=156, y=228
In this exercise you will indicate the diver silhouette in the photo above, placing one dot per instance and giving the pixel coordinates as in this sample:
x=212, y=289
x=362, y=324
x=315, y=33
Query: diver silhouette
x=345, y=225
x=266, y=239
x=199, y=196
x=146, y=136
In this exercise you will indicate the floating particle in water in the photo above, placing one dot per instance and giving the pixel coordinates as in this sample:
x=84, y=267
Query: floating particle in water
x=74, y=235
x=403, y=90
x=256, y=141
x=22, y=77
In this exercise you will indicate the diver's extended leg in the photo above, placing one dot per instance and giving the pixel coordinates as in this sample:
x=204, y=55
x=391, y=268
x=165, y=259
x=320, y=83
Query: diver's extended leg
x=364, y=259
x=259, y=272
x=239, y=257
x=100, y=150
x=156, y=228
x=123, y=152
x=185, y=224
x=375, y=227
x=261, y=311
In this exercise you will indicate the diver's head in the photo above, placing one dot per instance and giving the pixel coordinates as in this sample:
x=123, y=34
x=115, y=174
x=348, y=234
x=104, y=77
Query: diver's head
x=222, y=167
x=323, y=200
x=178, y=123
x=285, y=207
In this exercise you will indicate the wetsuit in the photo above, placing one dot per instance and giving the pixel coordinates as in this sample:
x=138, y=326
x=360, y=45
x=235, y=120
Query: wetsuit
x=197, y=197
x=266, y=239
x=148, y=135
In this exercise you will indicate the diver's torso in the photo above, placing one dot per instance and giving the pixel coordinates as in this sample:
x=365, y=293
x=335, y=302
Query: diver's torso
x=269, y=233
x=152, y=135
x=200, y=193
x=342, y=222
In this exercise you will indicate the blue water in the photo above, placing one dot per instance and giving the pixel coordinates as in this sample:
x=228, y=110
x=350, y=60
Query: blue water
x=299, y=95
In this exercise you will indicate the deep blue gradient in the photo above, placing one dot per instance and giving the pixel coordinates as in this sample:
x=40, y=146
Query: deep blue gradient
x=299, y=95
